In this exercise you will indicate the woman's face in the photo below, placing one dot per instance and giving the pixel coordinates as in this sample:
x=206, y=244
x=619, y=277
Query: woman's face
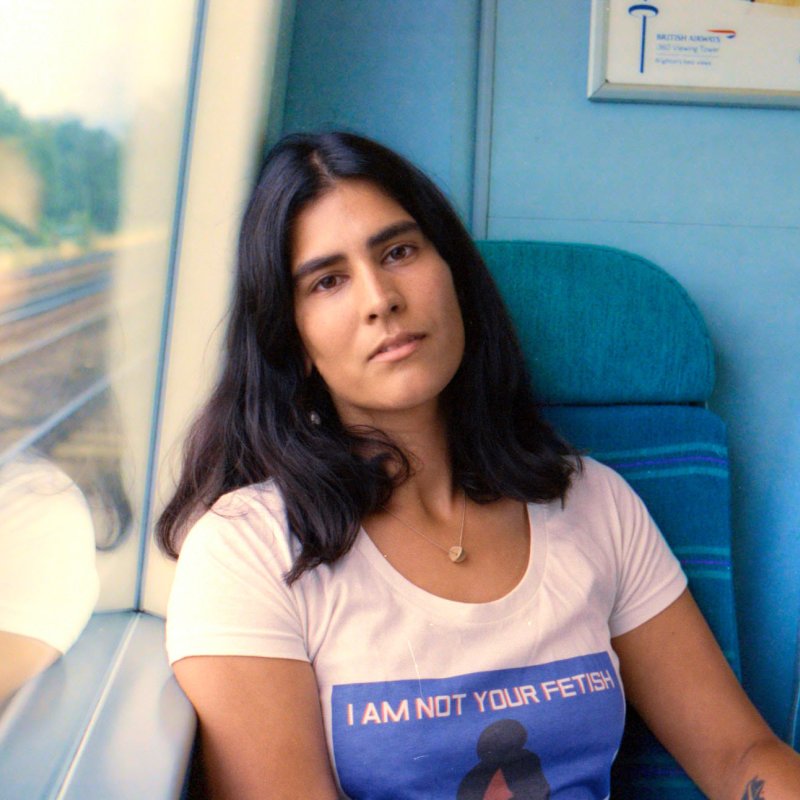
x=375, y=304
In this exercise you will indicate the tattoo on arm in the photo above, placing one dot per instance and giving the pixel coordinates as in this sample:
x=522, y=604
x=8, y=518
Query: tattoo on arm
x=754, y=790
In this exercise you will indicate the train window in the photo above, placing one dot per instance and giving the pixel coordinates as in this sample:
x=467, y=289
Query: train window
x=93, y=100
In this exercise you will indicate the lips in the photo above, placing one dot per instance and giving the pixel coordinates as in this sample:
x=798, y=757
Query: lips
x=396, y=344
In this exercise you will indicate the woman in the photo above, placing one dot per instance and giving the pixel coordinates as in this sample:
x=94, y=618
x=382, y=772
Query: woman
x=408, y=585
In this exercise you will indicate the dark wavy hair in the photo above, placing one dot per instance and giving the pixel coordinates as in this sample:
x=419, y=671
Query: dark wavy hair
x=258, y=423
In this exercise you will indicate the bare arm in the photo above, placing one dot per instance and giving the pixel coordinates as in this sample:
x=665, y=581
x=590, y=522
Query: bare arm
x=260, y=727
x=678, y=680
x=21, y=657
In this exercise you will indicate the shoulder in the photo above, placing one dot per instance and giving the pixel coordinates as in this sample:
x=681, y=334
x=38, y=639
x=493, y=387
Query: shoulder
x=247, y=523
x=229, y=595
x=250, y=503
x=48, y=578
x=240, y=546
x=598, y=488
x=592, y=514
x=611, y=521
x=35, y=495
x=601, y=509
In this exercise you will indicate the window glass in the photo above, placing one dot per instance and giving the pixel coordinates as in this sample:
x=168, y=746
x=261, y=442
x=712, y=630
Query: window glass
x=93, y=99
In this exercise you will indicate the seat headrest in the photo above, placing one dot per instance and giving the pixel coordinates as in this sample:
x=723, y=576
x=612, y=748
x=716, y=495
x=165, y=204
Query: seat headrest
x=602, y=326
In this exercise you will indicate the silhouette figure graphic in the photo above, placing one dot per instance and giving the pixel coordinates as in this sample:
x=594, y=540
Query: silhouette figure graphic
x=507, y=771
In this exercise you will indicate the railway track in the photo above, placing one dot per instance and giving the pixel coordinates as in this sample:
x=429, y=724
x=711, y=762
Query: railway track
x=55, y=396
x=53, y=319
x=31, y=292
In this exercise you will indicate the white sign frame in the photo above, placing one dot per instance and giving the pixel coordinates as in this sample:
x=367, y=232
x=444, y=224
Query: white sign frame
x=748, y=55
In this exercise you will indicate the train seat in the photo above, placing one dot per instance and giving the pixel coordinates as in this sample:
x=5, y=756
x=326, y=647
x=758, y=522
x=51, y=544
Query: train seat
x=622, y=363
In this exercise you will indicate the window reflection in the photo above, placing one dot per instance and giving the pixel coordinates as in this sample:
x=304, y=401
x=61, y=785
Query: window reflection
x=92, y=104
x=48, y=578
x=59, y=213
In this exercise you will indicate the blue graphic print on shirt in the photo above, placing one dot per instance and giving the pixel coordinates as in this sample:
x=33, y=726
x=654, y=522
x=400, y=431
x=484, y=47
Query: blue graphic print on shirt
x=542, y=732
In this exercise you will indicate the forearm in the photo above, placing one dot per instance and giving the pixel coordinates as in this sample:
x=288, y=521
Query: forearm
x=21, y=657
x=769, y=770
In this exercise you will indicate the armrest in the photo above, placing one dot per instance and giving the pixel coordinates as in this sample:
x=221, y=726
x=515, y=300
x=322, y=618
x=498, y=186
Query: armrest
x=106, y=720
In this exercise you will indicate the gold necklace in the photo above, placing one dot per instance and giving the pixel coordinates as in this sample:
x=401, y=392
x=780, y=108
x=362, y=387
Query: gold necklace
x=455, y=553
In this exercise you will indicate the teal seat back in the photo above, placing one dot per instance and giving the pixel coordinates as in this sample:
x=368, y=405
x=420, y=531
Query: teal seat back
x=622, y=363
x=601, y=326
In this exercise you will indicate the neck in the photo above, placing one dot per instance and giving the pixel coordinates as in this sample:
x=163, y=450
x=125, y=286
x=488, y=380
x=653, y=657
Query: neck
x=430, y=488
x=423, y=437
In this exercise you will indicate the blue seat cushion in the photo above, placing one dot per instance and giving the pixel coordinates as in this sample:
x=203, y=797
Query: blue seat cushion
x=676, y=459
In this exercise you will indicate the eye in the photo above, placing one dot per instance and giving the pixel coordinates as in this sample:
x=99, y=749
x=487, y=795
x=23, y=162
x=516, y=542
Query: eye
x=400, y=252
x=327, y=282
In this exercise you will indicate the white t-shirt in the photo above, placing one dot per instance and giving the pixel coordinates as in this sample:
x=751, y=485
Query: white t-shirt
x=48, y=577
x=425, y=697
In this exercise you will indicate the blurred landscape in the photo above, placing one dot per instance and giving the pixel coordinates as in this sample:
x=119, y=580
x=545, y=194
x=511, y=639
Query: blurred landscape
x=59, y=186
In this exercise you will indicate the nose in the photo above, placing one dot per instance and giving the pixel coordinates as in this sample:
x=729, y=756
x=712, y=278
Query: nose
x=381, y=294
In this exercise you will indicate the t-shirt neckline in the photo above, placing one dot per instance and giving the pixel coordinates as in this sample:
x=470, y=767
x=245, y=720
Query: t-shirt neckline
x=518, y=597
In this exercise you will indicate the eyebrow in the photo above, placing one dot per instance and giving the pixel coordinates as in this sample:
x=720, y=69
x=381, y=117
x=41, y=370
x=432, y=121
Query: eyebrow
x=313, y=265
x=391, y=231
x=381, y=237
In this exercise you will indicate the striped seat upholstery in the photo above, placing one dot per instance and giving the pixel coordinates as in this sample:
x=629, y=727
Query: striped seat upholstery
x=622, y=363
x=675, y=458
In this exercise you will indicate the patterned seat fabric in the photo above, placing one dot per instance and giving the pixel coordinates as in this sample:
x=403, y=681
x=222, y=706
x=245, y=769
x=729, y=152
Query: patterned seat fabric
x=675, y=458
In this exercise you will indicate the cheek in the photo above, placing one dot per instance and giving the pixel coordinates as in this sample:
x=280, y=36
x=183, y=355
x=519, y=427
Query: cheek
x=312, y=328
x=323, y=338
x=307, y=343
x=451, y=310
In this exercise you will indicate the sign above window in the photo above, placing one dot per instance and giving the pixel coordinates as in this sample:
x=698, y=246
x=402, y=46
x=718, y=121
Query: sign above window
x=732, y=52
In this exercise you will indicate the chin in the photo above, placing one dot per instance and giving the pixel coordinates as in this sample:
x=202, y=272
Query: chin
x=364, y=411
x=410, y=401
x=407, y=393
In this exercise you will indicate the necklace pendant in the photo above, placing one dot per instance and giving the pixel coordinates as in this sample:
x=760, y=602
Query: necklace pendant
x=456, y=554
